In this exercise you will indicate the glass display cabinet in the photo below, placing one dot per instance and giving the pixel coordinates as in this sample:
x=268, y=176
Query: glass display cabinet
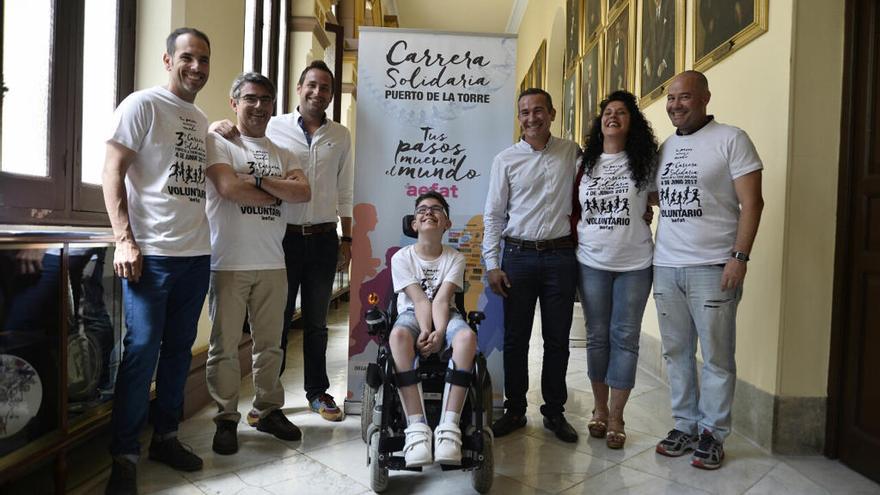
x=60, y=343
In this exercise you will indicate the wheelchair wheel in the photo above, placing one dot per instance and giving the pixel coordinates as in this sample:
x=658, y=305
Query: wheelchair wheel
x=378, y=474
x=368, y=400
x=481, y=479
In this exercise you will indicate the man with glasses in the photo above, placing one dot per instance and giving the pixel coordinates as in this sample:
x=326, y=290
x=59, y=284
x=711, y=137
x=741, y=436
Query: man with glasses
x=313, y=252
x=529, y=205
x=251, y=182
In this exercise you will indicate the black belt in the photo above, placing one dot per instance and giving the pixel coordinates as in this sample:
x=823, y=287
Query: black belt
x=544, y=245
x=309, y=229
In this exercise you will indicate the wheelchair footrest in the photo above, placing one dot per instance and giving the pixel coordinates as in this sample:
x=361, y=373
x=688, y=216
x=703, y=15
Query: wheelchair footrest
x=466, y=464
x=398, y=463
x=391, y=444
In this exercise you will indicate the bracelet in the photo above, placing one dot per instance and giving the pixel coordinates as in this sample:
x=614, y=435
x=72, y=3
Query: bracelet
x=345, y=238
x=258, y=181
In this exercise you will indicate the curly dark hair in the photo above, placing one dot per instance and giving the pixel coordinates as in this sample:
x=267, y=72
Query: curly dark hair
x=641, y=145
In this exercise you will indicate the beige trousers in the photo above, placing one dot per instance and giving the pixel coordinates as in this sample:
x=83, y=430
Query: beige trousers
x=262, y=295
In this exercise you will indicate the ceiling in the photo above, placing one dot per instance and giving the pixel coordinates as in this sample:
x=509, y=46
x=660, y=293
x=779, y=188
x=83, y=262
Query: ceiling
x=478, y=16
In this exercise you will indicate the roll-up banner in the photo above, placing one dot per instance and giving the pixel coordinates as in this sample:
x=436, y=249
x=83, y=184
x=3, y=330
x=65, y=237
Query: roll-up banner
x=433, y=110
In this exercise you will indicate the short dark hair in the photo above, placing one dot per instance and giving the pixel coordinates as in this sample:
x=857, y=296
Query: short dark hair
x=171, y=40
x=537, y=91
x=250, y=77
x=316, y=65
x=434, y=195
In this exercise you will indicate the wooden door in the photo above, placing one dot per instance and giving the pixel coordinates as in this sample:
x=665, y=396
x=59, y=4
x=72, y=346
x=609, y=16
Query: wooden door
x=854, y=381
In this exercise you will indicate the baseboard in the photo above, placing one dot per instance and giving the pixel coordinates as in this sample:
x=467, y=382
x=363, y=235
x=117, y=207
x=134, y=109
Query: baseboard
x=799, y=425
x=782, y=425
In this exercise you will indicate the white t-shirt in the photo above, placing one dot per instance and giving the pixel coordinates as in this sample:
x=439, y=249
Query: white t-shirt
x=611, y=233
x=247, y=237
x=166, y=180
x=699, y=210
x=408, y=268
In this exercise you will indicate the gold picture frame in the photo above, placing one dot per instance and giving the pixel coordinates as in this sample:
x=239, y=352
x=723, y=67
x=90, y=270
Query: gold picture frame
x=591, y=68
x=535, y=77
x=661, y=55
x=536, y=74
x=592, y=21
x=620, y=50
x=722, y=27
x=570, y=92
x=573, y=30
x=613, y=7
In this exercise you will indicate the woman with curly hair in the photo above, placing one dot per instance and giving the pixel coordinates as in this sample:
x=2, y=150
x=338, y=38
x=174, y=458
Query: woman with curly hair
x=615, y=253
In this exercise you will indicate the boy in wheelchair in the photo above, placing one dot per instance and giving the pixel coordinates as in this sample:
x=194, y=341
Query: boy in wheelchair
x=426, y=275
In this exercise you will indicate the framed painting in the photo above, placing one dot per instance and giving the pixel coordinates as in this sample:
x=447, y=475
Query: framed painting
x=569, y=105
x=592, y=20
x=619, y=50
x=572, y=32
x=539, y=66
x=662, y=54
x=723, y=26
x=591, y=92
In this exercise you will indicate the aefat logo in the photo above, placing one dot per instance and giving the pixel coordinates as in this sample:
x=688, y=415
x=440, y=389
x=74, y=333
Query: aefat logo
x=445, y=191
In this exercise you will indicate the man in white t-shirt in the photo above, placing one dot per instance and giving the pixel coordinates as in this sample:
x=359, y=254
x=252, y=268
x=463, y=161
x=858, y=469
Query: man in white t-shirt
x=709, y=188
x=426, y=276
x=313, y=251
x=249, y=179
x=154, y=190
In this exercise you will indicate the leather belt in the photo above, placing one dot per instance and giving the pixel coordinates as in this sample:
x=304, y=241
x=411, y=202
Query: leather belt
x=309, y=229
x=543, y=245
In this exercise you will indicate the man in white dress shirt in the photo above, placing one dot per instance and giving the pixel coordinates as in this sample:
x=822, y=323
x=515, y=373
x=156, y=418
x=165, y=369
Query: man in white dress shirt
x=528, y=206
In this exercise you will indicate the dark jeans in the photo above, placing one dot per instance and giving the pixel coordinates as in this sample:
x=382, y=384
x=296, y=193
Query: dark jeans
x=161, y=317
x=548, y=276
x=311, y=265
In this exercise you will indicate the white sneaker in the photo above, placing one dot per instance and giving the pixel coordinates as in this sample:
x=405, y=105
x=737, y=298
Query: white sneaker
x=447, y=444
x=417, y=447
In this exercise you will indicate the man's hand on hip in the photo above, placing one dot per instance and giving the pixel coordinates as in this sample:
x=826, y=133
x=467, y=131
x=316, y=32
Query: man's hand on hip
x=498, y=282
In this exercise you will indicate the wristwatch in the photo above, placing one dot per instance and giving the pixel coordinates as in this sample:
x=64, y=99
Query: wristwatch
x=345, y=238
x=740, y=256
x=258, y=182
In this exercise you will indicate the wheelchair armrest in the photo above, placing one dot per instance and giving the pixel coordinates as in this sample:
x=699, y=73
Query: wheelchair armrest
x=377, y=321
x=476, y=317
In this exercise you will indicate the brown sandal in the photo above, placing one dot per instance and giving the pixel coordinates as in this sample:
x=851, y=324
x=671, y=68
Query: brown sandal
x=597, y=427
x=615, y=437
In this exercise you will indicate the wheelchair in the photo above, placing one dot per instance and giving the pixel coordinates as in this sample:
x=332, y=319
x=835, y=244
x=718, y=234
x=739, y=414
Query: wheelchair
x=383, y=421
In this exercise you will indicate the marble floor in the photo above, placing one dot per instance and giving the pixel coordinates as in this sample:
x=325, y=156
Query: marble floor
x=331, y=458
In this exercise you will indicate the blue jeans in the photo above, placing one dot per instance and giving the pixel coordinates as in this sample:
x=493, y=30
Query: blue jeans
x=548, y=276
x=613, y=304
x=311, y=264
x=161, y=317
x=691, y=306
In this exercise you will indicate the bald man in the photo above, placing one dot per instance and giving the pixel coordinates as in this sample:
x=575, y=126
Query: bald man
x=709, y=192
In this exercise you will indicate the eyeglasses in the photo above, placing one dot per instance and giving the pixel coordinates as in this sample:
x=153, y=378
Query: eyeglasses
x=435, y=209
x=252, y=100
